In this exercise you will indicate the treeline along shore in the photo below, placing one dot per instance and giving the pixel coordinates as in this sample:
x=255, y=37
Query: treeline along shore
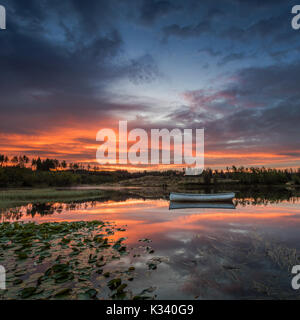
x=20, y=171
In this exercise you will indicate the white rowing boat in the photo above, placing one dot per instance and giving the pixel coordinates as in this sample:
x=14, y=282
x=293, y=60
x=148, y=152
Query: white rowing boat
x=194, y=197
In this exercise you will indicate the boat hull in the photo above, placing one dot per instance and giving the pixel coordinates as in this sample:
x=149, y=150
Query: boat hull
x=193, y=197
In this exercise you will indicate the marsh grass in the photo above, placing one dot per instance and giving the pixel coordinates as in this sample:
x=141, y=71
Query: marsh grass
x=18, y=197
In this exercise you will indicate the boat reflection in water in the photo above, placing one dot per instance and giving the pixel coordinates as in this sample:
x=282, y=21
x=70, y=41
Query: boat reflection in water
x=198, y=197
x=201, y=205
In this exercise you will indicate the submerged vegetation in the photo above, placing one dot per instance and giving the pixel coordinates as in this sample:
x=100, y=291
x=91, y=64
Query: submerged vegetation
x=90, y=260
x=65, y=261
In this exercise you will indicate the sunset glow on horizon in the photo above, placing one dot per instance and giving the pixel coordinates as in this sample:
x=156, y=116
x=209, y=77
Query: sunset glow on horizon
x=172, y=65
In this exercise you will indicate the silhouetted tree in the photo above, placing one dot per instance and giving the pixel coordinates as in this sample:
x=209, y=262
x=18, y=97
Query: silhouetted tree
x=64, y=164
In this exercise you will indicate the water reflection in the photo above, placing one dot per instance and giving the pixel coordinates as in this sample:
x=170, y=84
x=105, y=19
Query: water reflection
x=205, y=253
x=200, y=205
x=34, y=210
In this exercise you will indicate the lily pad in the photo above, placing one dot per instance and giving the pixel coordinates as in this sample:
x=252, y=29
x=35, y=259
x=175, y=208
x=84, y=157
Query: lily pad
x=114, y=283
x=27, y=292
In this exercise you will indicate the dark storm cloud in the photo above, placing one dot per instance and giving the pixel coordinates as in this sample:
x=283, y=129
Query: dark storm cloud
x=261, y=107
x=272, y=82
x=232, y=57
x=187, y=31
x=252, y=87
x=30, y=9
x=263, y=25
x=91, y=14
x=259, y=3
x=60, y=59
x=94, y=13
x=152, y=10
x=211, y=52
x=204, y=26
x=274, y=27
x=207, y=21
x=291, y=154
x=54, y=79
x=143, y=70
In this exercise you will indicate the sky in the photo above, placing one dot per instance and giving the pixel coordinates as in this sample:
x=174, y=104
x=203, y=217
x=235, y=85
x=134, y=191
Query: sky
x=71, y=67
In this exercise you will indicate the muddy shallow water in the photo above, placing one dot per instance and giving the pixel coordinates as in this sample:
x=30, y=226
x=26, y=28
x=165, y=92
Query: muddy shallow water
x=199, y=253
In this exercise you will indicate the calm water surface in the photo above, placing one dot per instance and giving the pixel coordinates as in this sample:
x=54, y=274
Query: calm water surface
x=246, y=252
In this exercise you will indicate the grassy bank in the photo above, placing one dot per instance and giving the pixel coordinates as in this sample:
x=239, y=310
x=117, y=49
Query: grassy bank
x=11, y=198
x=199, y=182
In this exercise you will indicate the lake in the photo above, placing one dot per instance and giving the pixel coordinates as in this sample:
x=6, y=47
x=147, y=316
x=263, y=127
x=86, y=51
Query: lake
x=193, y=253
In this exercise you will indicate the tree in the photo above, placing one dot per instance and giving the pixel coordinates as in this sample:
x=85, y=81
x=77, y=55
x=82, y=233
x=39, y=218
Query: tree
x=75, y=167
x=15, y=160
x=6, y=160
x=2, y=157
x=64, y=164
x=23, y=161
x=56, y=164
x=38, y=164
x=34, y=164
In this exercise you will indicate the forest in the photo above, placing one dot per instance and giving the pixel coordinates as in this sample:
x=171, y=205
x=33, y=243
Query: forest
x=21, y=171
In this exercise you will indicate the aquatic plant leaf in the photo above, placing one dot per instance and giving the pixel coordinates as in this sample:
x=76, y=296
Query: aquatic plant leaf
x=27, y=292
x=114, y=283
x=63, y=292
